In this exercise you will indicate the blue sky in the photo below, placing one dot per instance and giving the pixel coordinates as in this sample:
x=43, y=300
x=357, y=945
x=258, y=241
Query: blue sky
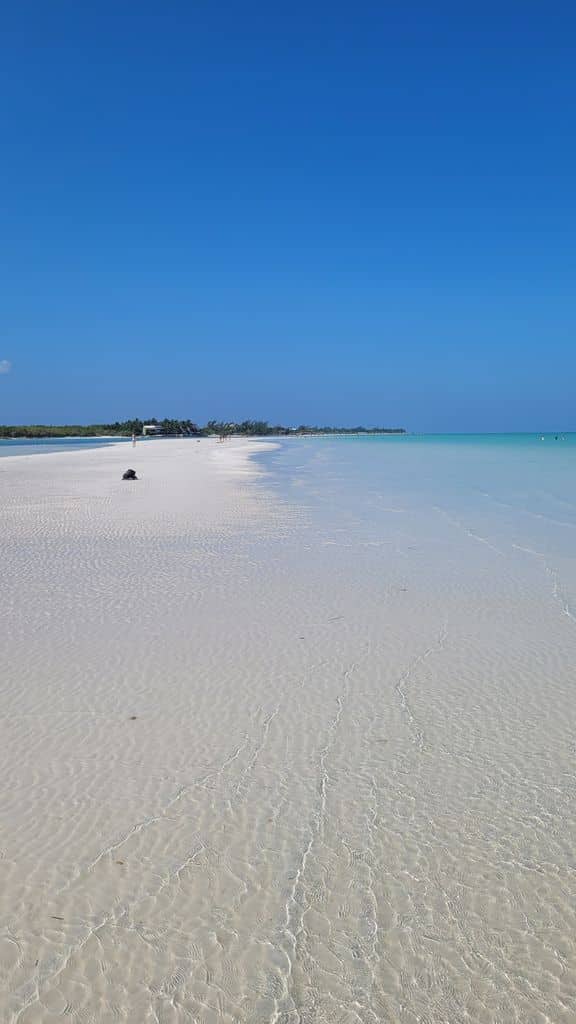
x=300, y=212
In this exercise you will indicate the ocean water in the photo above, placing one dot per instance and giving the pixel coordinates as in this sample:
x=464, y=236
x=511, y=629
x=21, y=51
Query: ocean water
x=448, y=565
x=508, y=492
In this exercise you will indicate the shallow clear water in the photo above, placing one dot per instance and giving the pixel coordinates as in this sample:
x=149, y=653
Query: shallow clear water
x=504, y=488
x=449, y=564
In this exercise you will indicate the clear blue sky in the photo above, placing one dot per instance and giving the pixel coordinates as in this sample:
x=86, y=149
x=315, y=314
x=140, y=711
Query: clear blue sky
x=297, y=211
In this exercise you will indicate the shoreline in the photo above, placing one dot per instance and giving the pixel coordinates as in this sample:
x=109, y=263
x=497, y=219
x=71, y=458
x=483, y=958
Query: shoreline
x=181, y=486
x=277, y=738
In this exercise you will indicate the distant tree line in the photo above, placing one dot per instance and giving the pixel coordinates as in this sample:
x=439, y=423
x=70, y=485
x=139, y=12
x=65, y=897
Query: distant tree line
x=348, y=430
x=252, y=428
x=123, y=428
x=260, y=428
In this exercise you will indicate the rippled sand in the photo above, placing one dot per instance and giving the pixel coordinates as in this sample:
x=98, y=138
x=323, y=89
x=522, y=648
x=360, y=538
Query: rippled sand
x=268, y=760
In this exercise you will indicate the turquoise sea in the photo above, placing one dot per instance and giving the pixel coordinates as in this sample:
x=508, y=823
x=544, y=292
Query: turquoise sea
x=508, y=492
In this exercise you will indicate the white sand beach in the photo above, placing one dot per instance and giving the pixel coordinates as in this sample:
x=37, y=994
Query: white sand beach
x=268, y=766
x=113, y=717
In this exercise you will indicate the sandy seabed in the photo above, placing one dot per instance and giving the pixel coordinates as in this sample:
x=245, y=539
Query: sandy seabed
x=250, y=775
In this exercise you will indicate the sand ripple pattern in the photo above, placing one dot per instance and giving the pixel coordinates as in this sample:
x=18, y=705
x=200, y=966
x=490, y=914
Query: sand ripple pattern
x=282, y=761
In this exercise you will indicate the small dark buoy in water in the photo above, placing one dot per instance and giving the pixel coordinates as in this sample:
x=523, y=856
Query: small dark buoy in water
x=130, y=474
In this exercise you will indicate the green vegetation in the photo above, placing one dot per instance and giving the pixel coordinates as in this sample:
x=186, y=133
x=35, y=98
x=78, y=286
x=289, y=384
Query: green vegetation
x=260, y=428
x=252, y=428
x=125, y=428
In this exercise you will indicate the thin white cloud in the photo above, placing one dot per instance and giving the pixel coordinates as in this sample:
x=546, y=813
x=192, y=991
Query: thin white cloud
x=5, y=366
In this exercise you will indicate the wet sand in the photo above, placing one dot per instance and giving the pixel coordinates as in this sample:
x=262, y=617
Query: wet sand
x=262, y=763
